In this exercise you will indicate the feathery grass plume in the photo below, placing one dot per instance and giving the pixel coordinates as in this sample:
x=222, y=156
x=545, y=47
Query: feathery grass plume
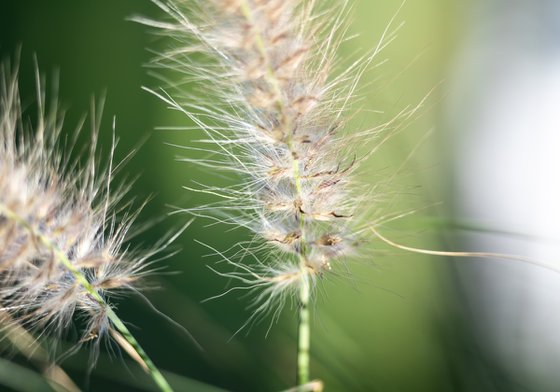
x=272, y=113
x=63, y=250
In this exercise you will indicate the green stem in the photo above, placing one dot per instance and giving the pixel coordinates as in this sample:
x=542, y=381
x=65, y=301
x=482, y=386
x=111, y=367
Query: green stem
x=303, y=333
x=154, y=372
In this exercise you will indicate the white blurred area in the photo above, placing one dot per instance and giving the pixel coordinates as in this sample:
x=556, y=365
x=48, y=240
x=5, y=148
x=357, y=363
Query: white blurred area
x=503, y=116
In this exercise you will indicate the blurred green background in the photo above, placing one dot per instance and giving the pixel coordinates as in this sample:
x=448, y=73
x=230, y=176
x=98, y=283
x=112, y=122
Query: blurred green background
x=396, y=325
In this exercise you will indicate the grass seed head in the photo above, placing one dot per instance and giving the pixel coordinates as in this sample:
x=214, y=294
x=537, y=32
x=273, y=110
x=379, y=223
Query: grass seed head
x=271, y=112
x=62, y=246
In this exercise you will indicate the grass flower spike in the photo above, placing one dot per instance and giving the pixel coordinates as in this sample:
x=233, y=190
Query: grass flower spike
x=62, y=246
x=272, y=113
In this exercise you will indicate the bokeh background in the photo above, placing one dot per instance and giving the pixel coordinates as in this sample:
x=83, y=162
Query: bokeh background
x=402, y=321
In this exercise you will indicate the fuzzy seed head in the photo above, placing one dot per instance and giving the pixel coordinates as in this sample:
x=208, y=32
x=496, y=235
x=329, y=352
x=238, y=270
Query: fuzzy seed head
x=274, y=117
x=61, y=246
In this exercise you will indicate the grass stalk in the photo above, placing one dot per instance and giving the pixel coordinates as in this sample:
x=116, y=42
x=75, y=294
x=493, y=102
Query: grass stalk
x=304, y=333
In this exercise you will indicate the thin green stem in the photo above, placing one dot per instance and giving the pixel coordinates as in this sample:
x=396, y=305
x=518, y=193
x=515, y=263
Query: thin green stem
x=149, y=366
x=154, y=372
x=304, y=333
